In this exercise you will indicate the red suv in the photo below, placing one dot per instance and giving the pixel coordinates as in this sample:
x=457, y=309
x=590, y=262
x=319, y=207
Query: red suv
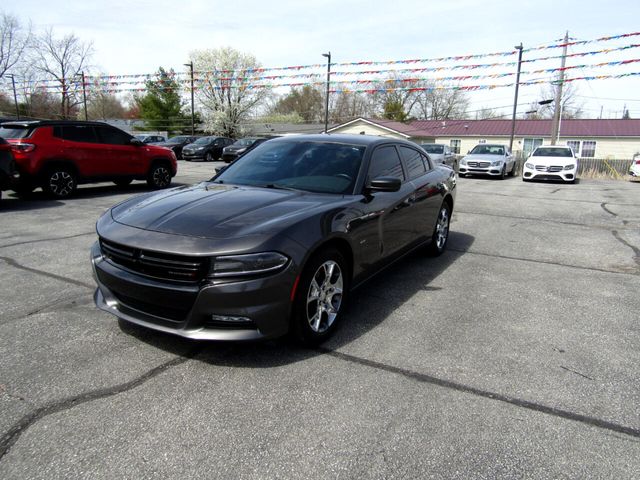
x=58, y=155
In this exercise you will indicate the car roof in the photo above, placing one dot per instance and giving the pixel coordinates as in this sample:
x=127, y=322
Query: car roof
x=42, y=123
x=351, y=139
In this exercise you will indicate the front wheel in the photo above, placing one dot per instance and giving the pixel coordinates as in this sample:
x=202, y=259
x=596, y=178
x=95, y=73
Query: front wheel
x=159, y=176
x=512, y=173
x=208, y=157
x=59, y=182
x=503, y=173
x=441, y=231
x=320, y=297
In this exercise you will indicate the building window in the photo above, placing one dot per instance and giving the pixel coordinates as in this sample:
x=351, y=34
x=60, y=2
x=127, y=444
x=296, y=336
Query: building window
x=529, y=145
x=575, y=146
x=588, y=149
x=455, y=146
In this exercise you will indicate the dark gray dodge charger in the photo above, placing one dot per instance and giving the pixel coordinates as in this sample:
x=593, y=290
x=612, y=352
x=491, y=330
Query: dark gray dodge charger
x=274, y=243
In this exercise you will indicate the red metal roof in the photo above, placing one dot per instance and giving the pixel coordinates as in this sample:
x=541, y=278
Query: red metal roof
x=568, y=128
x=541, y=128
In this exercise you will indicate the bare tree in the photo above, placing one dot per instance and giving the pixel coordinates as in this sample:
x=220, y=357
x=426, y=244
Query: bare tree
x=572, y=107
x=103, y=106
x=441, y=102
x=62, y=60
x=486, y=113
x=346, y=106
x=225, y=94
x=397, y=95
x=14, y=41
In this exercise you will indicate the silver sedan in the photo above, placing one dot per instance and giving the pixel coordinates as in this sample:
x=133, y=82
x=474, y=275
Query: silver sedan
x=488, y=159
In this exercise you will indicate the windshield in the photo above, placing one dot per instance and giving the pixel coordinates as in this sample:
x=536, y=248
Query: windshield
x=320, y=167
x=15, y=132
x=552, y=152
x=203, y=140
x=244, y=142
x=433, y=148
x=487, y=150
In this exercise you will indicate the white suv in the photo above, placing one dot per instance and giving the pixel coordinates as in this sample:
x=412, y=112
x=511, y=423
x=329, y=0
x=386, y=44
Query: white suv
x=551, y=163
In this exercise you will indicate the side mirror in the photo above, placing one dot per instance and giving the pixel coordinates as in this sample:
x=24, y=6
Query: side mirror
x=384, y=184
x=136, y=143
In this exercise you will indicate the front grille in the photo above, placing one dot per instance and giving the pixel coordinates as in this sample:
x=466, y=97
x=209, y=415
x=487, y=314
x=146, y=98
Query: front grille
x=162, y=311
x=553, y=168
x=479, y=164
x=162, y=266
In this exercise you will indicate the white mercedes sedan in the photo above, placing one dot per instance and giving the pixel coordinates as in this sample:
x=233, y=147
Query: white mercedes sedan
x=551, y=163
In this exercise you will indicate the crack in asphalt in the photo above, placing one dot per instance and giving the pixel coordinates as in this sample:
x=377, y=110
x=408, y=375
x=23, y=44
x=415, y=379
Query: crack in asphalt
x=636, y=250
x=27, y=242
x=63, y=304
x=13, y=434
x=555, y=199
x=19, y=266
x=543, y=220
x=604, y=207
x=633, y=271
x=537, y=407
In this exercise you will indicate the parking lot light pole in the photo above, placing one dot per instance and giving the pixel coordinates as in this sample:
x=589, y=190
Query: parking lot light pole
x=515, y=100
x=326, y=105
x=15, y=96
x=193, y=115
x=84, y=94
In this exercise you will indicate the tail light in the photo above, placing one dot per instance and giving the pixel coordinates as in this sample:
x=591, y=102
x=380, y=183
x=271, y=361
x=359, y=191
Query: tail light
x=23, y=147
x=638, y=161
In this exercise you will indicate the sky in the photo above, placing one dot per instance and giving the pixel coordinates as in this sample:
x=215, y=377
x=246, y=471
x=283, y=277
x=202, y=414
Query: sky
x=131, y=37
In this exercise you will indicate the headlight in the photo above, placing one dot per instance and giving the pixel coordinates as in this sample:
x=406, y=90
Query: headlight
x=529, y=165
x=569, y=167
x=496, y=163
x=463, y=161
x=250, y=264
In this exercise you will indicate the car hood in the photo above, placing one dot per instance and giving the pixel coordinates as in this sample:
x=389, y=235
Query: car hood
x=210, y=210
x=485, y=158
x=548, y=161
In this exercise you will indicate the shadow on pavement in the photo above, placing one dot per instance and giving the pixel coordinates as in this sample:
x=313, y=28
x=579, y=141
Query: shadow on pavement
x=369, y=306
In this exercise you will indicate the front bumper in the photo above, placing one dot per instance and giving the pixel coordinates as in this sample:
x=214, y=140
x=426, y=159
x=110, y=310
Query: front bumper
x=479, y=168
x=192, y=156
x=229, y=156
x=195, y=310
x=634, y=171
x=548, y=173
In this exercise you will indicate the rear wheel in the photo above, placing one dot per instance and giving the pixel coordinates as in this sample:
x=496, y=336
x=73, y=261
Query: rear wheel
x=159, y=176
x=320, y=297
x=59, y=182
x=440, y=234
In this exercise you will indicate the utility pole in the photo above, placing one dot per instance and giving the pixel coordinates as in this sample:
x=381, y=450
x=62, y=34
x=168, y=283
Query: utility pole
x=326, y=105
x=193, y=115
x=15, y=95
x=84, y=97
x=557, y=111
x=515, y=100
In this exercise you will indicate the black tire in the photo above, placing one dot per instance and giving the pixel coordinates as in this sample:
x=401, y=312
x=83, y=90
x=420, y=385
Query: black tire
x=313, y=321
x=159, y=176
x=208, y=157
x=503, y=173
x=123, y=182
x=512, y=173
x=440, y=236
x=59, y=182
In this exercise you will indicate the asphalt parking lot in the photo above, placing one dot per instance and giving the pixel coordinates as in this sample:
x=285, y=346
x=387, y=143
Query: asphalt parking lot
x=516, y=354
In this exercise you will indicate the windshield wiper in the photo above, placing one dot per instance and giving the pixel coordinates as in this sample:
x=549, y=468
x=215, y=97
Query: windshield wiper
x=277, y=186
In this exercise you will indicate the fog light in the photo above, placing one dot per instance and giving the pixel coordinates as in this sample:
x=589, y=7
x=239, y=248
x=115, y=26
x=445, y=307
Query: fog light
x=230, y=320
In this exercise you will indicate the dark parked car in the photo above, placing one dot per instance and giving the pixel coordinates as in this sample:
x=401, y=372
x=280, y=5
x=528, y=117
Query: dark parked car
x=8, y=172
x=441, y=153
x=151, y=138
x=59, y=155
x=206, y=148
x=177, y=144
x=233, y=151
x=275, y=242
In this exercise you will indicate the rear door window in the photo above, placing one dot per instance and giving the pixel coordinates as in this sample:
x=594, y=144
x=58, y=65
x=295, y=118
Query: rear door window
x=113, y=136
x=413, y=161
x=76, y=133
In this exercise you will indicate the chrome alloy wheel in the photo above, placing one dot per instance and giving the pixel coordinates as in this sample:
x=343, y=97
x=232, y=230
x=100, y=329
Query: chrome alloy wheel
x=161, y=177
x=325, y=296
x=442, y=228
x=61, y=183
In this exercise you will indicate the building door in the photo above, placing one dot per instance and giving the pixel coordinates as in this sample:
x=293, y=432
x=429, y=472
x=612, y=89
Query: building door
x=529, y=145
